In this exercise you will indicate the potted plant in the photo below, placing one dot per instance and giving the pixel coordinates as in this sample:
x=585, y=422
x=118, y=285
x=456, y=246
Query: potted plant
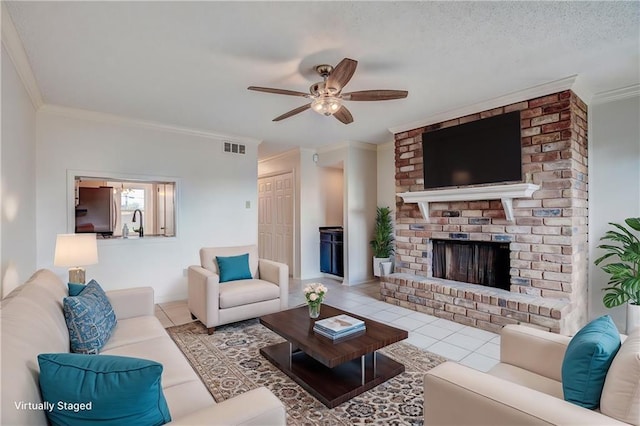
x=382, y=243
x=624, y=281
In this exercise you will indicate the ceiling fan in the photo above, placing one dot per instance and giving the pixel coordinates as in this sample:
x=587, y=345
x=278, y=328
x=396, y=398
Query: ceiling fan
x=327, y=97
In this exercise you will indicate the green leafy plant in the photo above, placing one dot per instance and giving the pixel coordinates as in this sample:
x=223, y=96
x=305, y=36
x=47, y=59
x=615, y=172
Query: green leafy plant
x=624, y=281
x=382, y=242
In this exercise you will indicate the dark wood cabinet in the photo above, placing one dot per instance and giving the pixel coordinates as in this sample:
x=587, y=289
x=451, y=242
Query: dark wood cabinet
x=332, y=251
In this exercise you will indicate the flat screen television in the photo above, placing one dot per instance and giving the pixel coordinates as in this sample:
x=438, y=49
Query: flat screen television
x=479, y=152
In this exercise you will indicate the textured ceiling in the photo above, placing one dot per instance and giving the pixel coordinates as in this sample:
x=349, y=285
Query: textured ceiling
x=189, y=63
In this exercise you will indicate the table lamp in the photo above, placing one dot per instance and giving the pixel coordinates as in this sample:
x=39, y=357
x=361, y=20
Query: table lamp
x=76, y=251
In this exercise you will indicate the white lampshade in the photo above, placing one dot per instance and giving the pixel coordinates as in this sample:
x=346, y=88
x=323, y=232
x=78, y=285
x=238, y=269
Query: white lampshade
x=76, y=250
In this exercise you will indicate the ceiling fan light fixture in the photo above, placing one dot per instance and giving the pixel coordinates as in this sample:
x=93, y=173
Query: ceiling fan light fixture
x=326, y=105
x=326, y=96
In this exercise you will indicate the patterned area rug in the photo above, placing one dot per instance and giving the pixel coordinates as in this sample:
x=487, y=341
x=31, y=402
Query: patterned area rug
x=229, y=363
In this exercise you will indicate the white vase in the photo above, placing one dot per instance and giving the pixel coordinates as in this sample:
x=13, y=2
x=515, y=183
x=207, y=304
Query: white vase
x=376, y=264
x=633, y=317
x=385, y=268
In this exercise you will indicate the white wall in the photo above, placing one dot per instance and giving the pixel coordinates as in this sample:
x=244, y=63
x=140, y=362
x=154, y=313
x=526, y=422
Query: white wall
x=332, y=195
x=212, y=190
x=361, y=179
x=310, y=216
x=387, y=176
x=18, y=186
x=614, y=184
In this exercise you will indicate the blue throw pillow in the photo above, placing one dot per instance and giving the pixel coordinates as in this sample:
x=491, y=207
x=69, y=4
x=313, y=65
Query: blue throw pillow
x=75, y=289
x=587, y=360
x=102, y=389
x=234, y=268
x=90, y=319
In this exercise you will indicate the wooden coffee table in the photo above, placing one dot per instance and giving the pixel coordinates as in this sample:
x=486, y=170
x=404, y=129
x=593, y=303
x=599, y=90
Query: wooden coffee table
x=332, y=371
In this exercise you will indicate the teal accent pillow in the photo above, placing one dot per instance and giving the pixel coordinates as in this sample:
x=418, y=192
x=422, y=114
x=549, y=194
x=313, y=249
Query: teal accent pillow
x=234, y=268
x=587, y=361
x=90, y=319
x=102, y=389
x=75, y=289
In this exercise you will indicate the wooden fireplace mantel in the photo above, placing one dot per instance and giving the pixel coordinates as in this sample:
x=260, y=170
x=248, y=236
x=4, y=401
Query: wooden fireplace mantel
x=505, y=193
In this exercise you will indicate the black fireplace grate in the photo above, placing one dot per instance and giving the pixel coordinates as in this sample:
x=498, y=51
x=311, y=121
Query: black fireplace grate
x=476, y=262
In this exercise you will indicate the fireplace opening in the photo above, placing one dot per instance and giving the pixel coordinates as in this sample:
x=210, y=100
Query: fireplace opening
x=476, y=262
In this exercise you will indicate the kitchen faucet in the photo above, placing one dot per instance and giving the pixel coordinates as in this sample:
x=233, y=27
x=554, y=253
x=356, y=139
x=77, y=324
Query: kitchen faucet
x=140, y=230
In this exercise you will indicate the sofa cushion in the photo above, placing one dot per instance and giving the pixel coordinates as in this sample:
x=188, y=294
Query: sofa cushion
x=163, y=351
x=109, y=390
x=32, y=323
x=134, y=330
x=587, y=360
x=233, y=268
x=244, y=292
x=90, y=319
x=527, y=379
x=621, y=392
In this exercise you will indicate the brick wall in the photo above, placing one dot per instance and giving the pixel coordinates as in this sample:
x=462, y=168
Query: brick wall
x=548, y=238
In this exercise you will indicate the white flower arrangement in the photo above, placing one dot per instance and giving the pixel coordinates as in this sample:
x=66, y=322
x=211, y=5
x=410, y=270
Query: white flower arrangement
x=314, y=293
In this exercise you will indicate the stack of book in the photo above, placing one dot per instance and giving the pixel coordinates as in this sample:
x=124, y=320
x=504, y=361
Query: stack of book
x=339, y=326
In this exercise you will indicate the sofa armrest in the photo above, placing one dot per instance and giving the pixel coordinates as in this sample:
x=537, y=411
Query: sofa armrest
x=538, y=351
x=258, y=407
x=132, y=302
x=203, y=294
x=458, y=395
x=277, y=273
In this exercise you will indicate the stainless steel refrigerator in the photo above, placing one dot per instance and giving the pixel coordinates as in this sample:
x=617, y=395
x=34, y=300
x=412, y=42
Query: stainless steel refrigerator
x=95, y=211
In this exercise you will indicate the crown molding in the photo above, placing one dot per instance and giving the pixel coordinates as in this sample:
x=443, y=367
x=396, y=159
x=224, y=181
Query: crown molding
x=616, y=94
x=117, y=119
x=508, y=99
x=348, y=144
x=12, y=43
x=363, y=145
x=287, y=153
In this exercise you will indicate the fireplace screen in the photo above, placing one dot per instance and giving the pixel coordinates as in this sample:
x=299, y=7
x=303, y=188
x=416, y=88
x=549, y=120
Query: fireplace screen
x=475, y=262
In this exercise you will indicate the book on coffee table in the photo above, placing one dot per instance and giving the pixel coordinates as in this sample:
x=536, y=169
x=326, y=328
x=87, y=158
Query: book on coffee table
x=338, y=326
x=342, y=334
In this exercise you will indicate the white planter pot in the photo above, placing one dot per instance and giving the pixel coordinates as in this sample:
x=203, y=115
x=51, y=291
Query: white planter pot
x=385, y=268
x=376, y=264
x=633, y=317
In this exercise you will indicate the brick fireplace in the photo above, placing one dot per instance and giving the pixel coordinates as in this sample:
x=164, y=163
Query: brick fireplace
x=547, y=238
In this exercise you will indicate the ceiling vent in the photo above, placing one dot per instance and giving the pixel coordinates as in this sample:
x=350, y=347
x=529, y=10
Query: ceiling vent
x=234, y=148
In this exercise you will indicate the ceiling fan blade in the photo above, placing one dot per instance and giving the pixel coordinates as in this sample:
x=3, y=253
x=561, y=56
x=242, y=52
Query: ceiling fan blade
x=278, y=91
x=375, y=95
x=342, y=73
x=292, y=112
x=344, y=115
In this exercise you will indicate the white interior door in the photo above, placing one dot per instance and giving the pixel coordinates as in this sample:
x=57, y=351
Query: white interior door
x=265, y=218
x=283, y=229
x=275, y=218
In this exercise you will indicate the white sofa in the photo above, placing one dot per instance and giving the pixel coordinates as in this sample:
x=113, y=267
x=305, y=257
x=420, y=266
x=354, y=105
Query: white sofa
x=525, y=388
x=217, y=304
x=32, y=322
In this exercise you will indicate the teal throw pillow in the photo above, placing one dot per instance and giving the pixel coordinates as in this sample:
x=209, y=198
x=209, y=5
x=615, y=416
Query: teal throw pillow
x=234, y=268
x=102, y=389
x=90, y=319
x=75, y=289
x=587, y=360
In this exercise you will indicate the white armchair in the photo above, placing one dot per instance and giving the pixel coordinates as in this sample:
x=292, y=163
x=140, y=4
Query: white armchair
x=215, y=303
x=525, y=388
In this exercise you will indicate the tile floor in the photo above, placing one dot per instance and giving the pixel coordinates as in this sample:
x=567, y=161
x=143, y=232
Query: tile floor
x=470, y=346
